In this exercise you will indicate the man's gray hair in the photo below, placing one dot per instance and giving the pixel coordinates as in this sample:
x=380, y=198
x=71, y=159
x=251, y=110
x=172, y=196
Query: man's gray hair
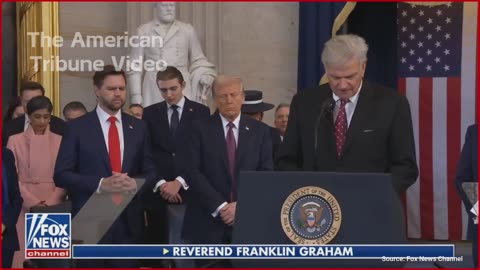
x=282, y=105
x=340, y=49
x=222, y=80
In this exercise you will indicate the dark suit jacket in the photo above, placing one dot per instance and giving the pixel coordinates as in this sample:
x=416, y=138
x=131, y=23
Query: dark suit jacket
x=210, y=181
x=276, y=139
x=171, y=154
x=9, y=237
x=17, y=125
x=379, y=137
x=83, y=160
x=467, y=171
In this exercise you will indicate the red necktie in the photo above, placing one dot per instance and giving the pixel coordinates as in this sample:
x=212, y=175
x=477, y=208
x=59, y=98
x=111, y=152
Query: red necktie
x=114, y=154
x=341, y=127
x=231, y=151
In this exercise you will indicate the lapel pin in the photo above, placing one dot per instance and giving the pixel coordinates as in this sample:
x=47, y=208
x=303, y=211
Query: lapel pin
x=247, y=128
x=130, y=127
x=190, y=109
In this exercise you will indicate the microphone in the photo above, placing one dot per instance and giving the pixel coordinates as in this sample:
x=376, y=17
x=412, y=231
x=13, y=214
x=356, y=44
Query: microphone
x=327, y=107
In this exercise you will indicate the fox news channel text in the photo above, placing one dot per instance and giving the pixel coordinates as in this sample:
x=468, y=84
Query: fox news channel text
x=47, y=236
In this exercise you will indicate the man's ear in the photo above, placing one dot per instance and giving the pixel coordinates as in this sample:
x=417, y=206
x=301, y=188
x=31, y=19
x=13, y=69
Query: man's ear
x=364, y=67
x=96, y=90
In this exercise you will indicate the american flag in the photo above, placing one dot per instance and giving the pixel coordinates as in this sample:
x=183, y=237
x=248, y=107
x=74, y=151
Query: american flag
x=437, y=73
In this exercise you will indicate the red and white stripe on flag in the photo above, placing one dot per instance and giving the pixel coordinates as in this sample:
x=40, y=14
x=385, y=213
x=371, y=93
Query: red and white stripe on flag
x=437, y=73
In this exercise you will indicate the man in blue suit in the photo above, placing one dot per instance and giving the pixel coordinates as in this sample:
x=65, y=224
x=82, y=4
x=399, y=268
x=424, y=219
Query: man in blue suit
x=467, y=171
x=11, y=206
x=222, y=146
x=169, y=124
x=99, y=155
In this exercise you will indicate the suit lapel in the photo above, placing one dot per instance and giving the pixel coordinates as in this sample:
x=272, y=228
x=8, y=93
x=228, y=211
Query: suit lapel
x=244, y=138
x=164, y=125
x=163, y=115
x=187, y=112
x=325, y=129
x=19, y=125
x=360, y=115
x=219, y=139
x=128, y=133
x=100, y=139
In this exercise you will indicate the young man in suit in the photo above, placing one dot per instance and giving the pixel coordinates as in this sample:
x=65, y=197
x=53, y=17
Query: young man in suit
x=467, y=171
x=29, y=90
x=350, y=125
x=170, y=125
x=11, y=206
x=99, y=155
x=222, y=146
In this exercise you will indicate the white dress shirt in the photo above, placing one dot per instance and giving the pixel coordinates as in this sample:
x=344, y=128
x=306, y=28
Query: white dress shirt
x=225, y=122
x=105, y=124
x=27, y=122
x=349, y=107
x=236, y=122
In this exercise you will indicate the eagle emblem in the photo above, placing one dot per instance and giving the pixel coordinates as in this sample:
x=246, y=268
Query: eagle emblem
x=310, y=215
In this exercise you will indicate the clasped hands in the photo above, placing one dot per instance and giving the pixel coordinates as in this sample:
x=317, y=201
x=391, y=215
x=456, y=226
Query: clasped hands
x=169, y=191
x=118, y=183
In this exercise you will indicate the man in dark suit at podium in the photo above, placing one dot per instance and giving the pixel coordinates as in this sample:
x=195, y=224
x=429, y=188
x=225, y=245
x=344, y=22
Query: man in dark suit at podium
x=222, y=146
x=467, y=171
x=29, y=90
x=350, y=125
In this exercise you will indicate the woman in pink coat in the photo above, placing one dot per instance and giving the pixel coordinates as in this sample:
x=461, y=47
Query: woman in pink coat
x=35, y=153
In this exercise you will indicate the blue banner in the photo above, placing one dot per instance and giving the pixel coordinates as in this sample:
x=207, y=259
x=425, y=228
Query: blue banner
x=260, y=251
x=317, y=23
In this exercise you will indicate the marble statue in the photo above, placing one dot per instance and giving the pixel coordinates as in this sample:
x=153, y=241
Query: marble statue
x=180, y=49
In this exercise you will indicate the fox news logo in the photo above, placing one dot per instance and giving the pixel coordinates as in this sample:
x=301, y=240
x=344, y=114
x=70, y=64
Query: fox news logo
x=47, y=236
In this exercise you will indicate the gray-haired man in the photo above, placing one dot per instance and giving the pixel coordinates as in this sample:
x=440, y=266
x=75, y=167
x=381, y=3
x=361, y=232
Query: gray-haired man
x=350, y=125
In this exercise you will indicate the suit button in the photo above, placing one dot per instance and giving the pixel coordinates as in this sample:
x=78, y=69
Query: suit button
x=173, y=154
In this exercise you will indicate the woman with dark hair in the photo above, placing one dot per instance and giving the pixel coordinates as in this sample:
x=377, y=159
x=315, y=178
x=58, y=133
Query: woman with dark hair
x=35, y=152
x=14, y=110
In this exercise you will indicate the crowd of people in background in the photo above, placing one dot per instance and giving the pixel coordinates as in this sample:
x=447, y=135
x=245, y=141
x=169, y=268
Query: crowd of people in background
x=31, y=130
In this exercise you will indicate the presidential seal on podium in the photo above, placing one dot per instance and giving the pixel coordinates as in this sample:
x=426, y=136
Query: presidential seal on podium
x=311, y=216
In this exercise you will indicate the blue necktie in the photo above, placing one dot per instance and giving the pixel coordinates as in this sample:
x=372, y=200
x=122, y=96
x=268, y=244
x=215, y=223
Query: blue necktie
x=5, y=199
x=174, y=120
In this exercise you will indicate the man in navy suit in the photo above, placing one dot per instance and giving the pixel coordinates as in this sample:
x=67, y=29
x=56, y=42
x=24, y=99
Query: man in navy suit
x=222, y=146
x=467, y=171
x=170, y=126
x=99, y=154
x=11, y=206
